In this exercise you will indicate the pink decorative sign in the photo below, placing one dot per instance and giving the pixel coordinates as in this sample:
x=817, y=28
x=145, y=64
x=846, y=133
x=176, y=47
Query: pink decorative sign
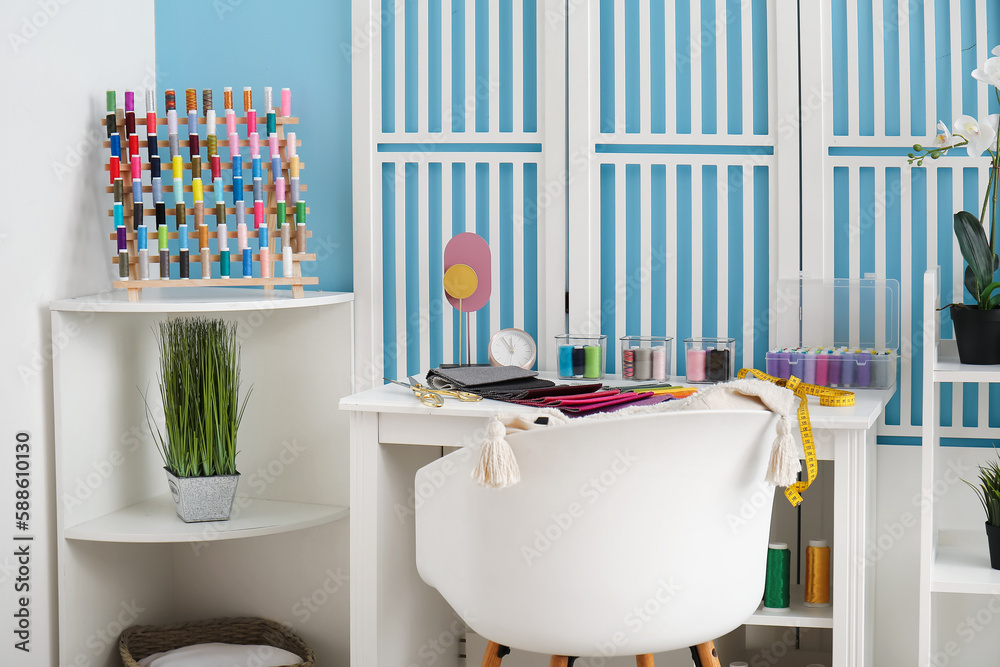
x=471, y=249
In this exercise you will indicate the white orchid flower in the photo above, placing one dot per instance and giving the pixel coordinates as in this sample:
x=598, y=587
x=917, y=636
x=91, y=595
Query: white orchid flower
x=943, y=137
x=979, y=135
x=989, y=72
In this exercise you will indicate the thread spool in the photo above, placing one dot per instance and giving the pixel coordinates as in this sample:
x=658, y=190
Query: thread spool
x=218, y=191
x=591, y=359
x=151, y=131
x=199, y=213
x=294, y=187
x=191, y=96
x=280, y=216
x=293, y=167
x=220, y=215
x=255, y=169
x=300, y=237
x=659, y=363
x=251, y=121
x=290, y=146
x=116, y=145
x=119, y=190
x=175, y=146
x=234, y=144
x=216, y=162
x=123, y=264
x=628, y=363
x=122, y=235
x=566, y=361
x=227, y=97
x=212, y=141
x=114, y=168
x=817, y=593
x=129, y=123
x=247, y=263
x=695, y=358
x=118, y=215
x=194, y=143
x=223, y=236
x=247, y=99
x=237, y=166
x=241, y=236
x=224, y=264
x=180, y=215
x=111, y=123
x=161, y=216
x=258, y=215
x=206, y=262
x=184, y=264
x=170, y=97
x=776, y=579
x=286, y=237
x=643, y=360
x=164, y=264
x=279, y=188
x=272, y=124
x=286, y=260
x=255, y=145
x=144, y=264
x=268, y=100
x=272, y=146
x=136, y=214
x=240, y=213
x=286, y=102
x=111, y=99
x=262, y=238
x=230, y=122
x=718, y=365
x=300, y=212
x=265, y=261
x=258, y=189
x=578, y=360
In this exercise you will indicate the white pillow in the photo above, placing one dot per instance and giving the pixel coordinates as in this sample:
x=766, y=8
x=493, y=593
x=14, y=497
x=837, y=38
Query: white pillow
x=222, y=655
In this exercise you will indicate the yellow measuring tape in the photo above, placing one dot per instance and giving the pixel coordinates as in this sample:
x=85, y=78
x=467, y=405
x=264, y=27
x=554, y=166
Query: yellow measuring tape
x=828, y=397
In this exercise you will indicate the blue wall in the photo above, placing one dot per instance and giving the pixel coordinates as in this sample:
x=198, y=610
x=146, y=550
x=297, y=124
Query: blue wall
x=311, y=57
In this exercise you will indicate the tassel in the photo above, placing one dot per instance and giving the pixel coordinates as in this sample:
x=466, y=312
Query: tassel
x=784, y=466
x=497, y=467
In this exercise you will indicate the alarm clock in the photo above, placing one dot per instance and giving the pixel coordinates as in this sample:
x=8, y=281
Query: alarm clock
x=512, y=347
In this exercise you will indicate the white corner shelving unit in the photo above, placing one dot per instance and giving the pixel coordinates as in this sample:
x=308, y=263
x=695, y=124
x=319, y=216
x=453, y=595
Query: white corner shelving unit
x=952, y=560
x=124, y=557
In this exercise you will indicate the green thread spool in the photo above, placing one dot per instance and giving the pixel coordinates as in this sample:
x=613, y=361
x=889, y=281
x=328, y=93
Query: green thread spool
x=224, y=263
x=300, y=212
x=119, y=190
x=111, y=101
x=776, y=579
x=272, y=123
x=162, y=237
x=592, y=361
x=281, y=214
x=213, y=145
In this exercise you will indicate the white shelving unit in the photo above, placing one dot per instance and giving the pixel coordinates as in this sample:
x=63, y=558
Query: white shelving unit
x=952, y=560
x=124, y=557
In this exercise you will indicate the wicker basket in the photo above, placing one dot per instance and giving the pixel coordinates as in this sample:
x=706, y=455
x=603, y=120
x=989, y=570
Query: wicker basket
x=140, y=641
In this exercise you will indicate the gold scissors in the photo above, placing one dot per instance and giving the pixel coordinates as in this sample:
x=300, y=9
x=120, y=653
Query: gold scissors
x=434, y=398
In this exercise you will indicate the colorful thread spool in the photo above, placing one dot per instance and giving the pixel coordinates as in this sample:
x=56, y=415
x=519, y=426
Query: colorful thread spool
x=286, y=260
x=777, y=577
x=286, y=102
x=111, y=120
x=628, y=363
x=817, y=593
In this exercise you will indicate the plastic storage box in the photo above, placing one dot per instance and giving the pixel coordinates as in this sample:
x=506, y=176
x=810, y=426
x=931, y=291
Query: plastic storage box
x=581, y=357
x=837, y=333
x=645, y=358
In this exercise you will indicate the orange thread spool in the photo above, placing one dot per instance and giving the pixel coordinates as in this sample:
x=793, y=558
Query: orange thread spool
x=192, y=99
x=817, y=593
x=227, y=98
x=247, y=99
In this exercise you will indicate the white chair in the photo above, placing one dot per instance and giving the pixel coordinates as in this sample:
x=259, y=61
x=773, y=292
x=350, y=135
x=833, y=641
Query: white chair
x=624, y=537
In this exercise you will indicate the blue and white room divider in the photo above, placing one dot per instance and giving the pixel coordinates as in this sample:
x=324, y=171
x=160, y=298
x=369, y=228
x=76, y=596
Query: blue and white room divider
x=877, y=76
x=674, y=211
x=466, y=132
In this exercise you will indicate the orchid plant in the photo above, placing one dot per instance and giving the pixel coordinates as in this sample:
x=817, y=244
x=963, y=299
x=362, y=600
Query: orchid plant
x=977, y=137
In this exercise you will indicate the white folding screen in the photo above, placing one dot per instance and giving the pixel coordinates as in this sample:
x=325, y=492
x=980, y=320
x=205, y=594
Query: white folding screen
x=678, y=225
x=459, y=113
x=877, y=76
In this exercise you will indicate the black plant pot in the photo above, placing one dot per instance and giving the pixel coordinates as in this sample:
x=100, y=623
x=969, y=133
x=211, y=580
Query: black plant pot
x=977, y=333
x=993, y=537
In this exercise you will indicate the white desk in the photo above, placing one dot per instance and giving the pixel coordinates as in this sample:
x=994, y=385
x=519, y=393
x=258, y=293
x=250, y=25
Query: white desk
x=398, y=621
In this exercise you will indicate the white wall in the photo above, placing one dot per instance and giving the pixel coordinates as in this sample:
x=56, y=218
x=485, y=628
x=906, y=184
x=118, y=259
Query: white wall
x=57, y=59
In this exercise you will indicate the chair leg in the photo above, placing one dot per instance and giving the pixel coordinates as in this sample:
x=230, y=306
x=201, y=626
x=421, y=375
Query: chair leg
x=705, y=655
x=494, y=654
x=645, y=660
x=559, y=661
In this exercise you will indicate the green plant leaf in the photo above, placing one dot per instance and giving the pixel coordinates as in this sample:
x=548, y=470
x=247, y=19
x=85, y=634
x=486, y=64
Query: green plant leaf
x=976, y=250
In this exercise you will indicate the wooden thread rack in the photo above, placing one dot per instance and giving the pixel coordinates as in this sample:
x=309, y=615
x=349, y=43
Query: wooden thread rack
x=134, y=285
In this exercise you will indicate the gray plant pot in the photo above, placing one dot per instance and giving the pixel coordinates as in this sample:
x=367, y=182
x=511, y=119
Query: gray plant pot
x=203, y=498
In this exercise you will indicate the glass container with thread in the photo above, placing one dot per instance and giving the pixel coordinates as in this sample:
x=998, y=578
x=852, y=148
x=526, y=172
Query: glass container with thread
x=645, y=358
x=581, y=356
x=709, y=359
